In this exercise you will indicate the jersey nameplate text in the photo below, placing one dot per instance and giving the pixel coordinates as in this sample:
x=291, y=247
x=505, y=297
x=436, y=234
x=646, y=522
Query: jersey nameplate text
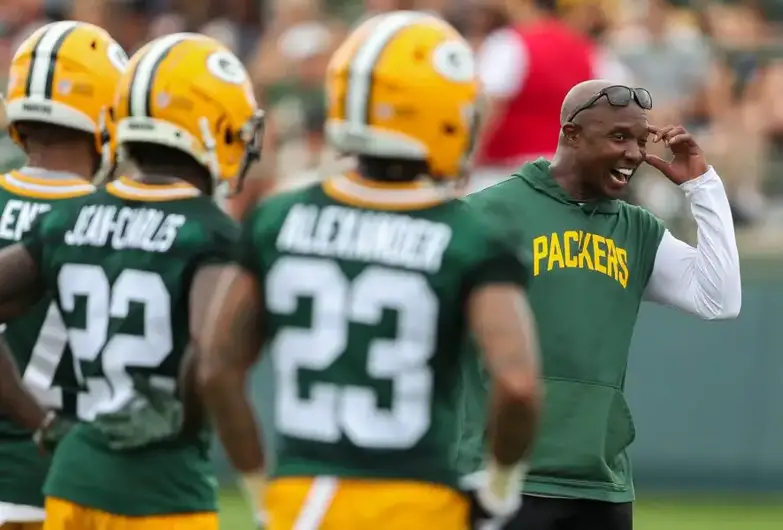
x=348, y=233
x=18, y=217
x=146, y=229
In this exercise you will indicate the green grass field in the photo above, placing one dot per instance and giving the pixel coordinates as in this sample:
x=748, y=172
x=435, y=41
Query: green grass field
x=684, y=513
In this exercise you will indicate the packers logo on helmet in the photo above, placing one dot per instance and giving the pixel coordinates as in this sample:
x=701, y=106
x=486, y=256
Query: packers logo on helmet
x=189, y=92
x=404, y=85
x=65, y=74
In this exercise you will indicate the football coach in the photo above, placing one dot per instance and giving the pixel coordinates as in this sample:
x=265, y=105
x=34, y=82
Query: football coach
x=594, y=259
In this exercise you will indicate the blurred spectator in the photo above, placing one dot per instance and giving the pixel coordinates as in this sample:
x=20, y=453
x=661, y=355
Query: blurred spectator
x=667, y=54
x=314, y=158
x=738, y=109
x=671, y=59
x=521, y=69
x=237, y=24
x=478, y=20
x=716, y=66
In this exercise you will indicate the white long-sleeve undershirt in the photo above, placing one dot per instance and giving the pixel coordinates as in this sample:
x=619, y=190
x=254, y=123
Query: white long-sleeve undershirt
x=703, y=281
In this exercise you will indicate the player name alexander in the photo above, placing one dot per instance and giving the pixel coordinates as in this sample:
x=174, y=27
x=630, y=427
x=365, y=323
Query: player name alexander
x=147, y=229
x=347, y=233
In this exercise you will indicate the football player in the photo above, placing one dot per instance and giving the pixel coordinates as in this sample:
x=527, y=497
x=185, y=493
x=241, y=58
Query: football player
x=61, y=86
x=131, y=266
x=362, y=289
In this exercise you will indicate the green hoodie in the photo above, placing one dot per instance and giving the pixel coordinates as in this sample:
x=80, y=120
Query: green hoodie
x=590, y=265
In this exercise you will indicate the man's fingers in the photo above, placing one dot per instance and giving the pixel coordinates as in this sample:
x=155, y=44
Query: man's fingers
x=682, y=138
x=656, y=161
x=672, y=133
x=661, y=132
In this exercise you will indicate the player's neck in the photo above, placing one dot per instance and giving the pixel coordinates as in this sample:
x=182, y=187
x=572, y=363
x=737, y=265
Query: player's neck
x=163, y=175
x=392, y=171
x=62, y=158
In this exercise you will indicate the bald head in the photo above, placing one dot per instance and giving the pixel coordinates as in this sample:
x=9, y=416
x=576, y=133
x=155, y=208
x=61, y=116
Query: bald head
x=580, y=94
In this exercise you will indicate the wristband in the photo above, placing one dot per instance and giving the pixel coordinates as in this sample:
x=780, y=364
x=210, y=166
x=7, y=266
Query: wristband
x=504, y=481
x=254, y=487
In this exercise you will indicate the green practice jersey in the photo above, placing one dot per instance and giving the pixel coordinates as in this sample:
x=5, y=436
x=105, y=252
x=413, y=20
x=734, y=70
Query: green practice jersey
x=121, y=263
x=591, y=263
x=365, y=290
x=38, y=340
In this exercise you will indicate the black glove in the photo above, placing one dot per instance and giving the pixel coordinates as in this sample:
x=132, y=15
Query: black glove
x=489, y=511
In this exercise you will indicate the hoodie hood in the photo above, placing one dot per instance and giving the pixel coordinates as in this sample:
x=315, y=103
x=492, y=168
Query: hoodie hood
x=538, y=176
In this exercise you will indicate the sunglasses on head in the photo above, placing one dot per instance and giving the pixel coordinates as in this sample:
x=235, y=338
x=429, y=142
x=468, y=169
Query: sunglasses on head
x=618, y=96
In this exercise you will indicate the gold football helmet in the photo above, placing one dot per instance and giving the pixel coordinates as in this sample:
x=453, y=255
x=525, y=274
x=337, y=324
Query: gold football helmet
x=65, y=74
x=404, y=85
x=189, y=92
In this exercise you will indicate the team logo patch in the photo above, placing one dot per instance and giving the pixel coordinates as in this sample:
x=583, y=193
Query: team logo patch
x=64, y=87
x=225, y=66
x=162, y=100
x=455, y=61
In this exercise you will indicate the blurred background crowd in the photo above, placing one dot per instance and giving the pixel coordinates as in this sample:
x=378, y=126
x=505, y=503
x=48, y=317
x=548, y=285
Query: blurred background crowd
x=714, y=66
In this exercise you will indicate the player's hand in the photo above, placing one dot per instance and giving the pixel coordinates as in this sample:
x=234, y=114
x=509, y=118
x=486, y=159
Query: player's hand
x=261, y=520
x=253, y=485
x=487, y=510
x=688, y=162
x=51, y=431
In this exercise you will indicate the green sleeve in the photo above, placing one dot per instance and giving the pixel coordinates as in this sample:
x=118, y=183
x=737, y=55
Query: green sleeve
x=222, y=241
x=500, y=264
x=38, y=238
x=499, y=214
x=501, y=257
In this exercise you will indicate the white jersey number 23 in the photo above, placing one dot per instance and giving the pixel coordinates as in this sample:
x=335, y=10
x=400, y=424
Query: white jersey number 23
x=330, y=411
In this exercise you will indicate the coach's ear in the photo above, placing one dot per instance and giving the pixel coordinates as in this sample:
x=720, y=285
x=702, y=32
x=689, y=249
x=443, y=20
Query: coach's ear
x=570, y=132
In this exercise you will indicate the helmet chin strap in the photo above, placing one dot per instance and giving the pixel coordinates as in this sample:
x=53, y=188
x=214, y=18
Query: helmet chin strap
x=252, y=133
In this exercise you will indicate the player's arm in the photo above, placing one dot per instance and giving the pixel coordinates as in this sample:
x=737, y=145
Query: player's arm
x=15, y=400
x=504, y=328
x=19, y=289
x=228, y=343
x=20, y=283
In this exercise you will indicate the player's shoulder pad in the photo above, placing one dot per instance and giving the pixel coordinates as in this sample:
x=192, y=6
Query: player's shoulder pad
x=221, y=225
